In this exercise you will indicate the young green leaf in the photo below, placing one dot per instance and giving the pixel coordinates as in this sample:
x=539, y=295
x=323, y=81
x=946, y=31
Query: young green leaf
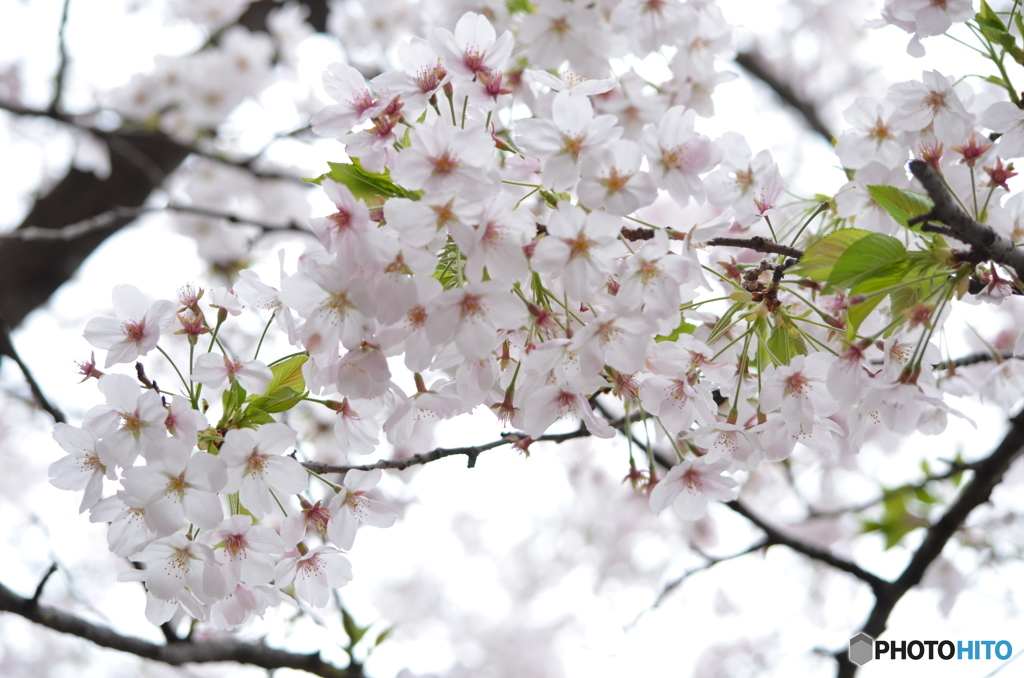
x=823, y=254
x=901, y=204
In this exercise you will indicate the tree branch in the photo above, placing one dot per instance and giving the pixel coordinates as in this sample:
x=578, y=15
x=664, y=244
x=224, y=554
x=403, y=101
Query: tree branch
x=7, y=349
x=62, y=64
x=775, y=536
x=471, y=452
x=988, y=473
x=981, y=237
x=174, y=654
x=754, y=64
x=758, y=244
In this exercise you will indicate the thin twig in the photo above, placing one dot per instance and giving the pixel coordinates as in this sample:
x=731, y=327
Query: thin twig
x=753, y=63
x=777, y=537
x=7, y=349
x=758, y=244
x=42, y=584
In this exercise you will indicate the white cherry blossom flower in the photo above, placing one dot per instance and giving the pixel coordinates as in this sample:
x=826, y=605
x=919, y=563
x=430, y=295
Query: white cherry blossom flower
x=581, y=247
x=356, y=103
x=350, y=507
x=176, y=562
x=136, y=330
x=678, y=155
x=689, y=486
x=1008, y=120
x=217, y=371
x=315, y=573
x=930, y=102
x=130, y=422
x=256, y=467
x=572, y=133
x=178, y=486
x=82, y=468
x=446, y=160
x=474, y=48
x=248, y=550
x=612, y=180
x=472, y=316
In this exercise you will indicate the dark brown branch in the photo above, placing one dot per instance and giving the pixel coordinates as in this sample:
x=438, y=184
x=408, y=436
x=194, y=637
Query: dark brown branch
x=981, y=237
x=7, y=349
x=754, y=64
x=758, y=244
x=471, y=453
x=42, y=584
x=988, y=473
x=174, y=654
x=777, y=537
x=62, y=64
x=30, y=272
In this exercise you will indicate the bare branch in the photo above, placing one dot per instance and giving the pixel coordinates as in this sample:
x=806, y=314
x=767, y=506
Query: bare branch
x=7, y=349
x=981, y=237
x=174, y=654
x=42, y=583
x=471, y=452
x=758, y=244
x=988, y=473
x=62, y=64
x=711, y=562
x=754, y=64
x=776, y=536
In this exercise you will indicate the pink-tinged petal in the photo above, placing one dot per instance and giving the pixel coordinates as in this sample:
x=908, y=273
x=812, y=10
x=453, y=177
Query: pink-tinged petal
x=203, y=509
x=210, y=370
x=379, y=514
x=287, y=476
x=690, y=504
x=104, y=332
x=1002, y=116
x=342, y=527
x=664, y=493
x=121, y=392
x=129, y=303
x=254, y=376
x=274, y=438
x=122, y=352
x=362, y=481
x=206, y=472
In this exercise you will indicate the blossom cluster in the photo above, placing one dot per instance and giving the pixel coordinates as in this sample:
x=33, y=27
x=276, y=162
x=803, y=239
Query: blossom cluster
x=490, y=235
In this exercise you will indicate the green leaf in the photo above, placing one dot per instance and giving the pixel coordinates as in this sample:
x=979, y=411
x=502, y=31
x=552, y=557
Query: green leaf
x=288, y=373
x=383, y=635
x=283, y=399
x=354, y=631
x=901, y=204
x=896, y=522
x=866, y=258
x=363, y=184
x=723, y=324
x=882, y=279
x=783, y=348
x=253, y=417
x=683, y=328
x=520, y=7
x=823, y=254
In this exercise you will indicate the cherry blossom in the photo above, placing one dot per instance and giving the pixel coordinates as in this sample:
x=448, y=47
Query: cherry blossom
x=314, y=573
x=350, y=507
x=257, y=470
x=689, y=486
x=136, y=330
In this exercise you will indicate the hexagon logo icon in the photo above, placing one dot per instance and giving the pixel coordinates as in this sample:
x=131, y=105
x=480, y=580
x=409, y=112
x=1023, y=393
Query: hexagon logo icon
x=862, y=649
